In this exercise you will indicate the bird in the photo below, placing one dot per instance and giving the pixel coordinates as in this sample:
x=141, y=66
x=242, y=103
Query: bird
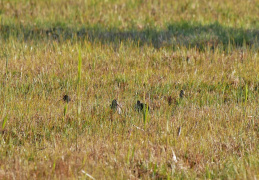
x=141, y=106
x=66, y=98
x=115, y=106
x=181, y=94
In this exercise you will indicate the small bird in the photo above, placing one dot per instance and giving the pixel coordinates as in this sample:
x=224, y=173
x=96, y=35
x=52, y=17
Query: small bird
x=66, y=98
x=141, y=106
x=115, y=106
x=181, y=94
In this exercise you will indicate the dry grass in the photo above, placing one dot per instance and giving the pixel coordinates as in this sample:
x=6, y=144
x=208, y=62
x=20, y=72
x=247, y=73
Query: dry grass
x=146, y=50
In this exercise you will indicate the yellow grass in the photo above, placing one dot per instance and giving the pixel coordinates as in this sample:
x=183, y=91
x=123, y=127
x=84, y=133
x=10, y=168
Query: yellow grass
x=130, y=50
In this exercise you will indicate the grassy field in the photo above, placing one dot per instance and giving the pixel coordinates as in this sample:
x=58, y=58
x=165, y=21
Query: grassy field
x=96, y=51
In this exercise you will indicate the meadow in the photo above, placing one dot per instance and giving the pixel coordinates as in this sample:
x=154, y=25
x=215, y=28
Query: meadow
x=98, y=50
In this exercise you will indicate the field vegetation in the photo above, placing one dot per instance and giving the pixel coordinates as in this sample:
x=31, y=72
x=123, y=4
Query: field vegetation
x=95, y=51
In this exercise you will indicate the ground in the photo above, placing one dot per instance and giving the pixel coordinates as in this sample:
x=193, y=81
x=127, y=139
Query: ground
x=96, y=51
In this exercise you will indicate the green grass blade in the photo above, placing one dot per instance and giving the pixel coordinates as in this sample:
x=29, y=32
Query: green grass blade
x=246, y=94
x=78, y=92
x=65, y=110
x=79, y=82
x=4, y=122
x=145, y=115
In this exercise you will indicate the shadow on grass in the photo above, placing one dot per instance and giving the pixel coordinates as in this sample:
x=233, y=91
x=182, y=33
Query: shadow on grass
x=175, y=34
